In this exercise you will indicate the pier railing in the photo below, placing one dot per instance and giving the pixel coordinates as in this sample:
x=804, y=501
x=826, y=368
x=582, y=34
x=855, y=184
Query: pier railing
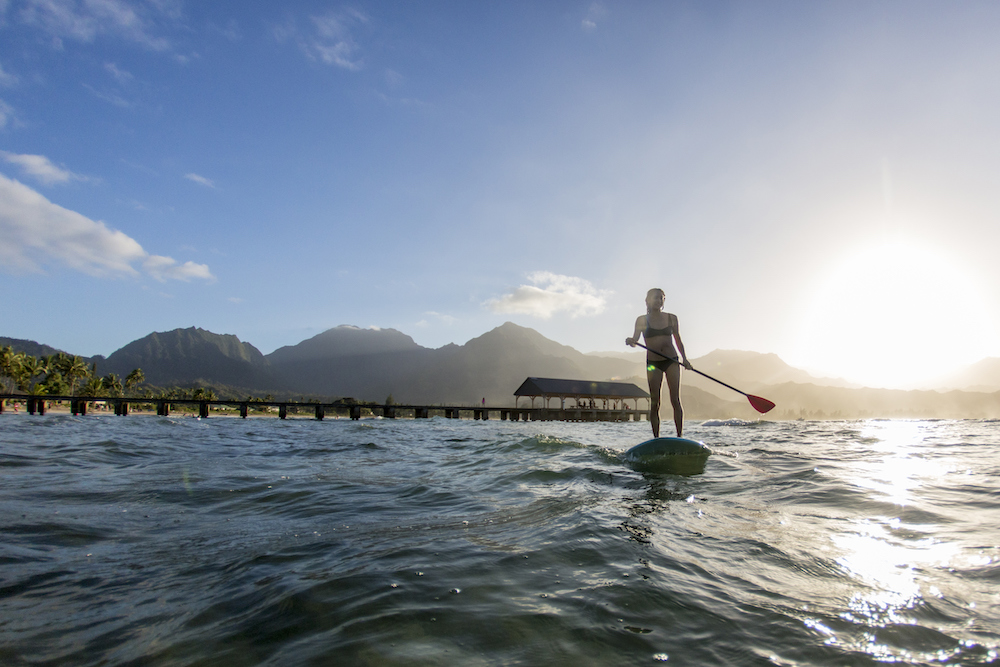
x=81, y=405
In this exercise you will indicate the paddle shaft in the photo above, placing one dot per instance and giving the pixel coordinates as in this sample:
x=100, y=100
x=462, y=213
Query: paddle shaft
x=695, y=370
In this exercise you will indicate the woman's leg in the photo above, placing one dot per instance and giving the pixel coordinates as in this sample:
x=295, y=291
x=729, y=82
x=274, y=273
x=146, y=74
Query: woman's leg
x=674, y=387
x=655, y=379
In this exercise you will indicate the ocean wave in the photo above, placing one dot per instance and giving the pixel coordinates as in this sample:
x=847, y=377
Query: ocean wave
x=730, y=422
x=452, y=541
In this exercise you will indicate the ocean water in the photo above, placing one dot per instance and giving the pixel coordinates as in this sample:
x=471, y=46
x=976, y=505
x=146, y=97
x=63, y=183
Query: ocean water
x=177, y=541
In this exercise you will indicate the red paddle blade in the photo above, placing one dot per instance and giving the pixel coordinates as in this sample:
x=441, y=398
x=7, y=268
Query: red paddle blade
x=759, y=404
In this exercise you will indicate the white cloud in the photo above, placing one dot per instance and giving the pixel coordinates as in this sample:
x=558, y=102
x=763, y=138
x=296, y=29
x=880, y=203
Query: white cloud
x=447, y=319
x=331, y=39
x=35, y=231
x=201, y=180
x=85, y=21
x=120, y=75
x=164, y=268
x=333, y=42
x=552, y=293
x=595, y=12
x=41, y=168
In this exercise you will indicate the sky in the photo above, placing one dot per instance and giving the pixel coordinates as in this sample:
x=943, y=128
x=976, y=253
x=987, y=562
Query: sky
x=815, y=180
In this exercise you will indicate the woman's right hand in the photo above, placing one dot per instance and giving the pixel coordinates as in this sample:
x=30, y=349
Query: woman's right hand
x=630, y=342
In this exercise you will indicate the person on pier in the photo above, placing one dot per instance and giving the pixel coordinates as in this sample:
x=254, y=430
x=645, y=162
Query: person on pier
x=661, y=331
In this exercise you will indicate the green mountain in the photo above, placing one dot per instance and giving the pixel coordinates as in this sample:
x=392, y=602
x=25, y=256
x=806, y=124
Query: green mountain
x=30, y=347
x=184, y=357
x=371, y=364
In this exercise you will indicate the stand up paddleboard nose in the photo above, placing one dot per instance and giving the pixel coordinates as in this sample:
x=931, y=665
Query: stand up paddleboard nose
x=674, y=456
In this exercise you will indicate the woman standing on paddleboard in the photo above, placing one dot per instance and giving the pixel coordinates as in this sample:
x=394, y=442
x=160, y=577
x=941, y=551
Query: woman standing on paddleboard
x=660, y=330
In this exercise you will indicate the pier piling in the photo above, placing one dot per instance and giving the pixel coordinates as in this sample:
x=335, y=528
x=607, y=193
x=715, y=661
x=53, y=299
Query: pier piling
x=80, y=405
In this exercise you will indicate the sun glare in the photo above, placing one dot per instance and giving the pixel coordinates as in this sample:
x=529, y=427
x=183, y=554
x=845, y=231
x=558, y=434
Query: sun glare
x=895, y=314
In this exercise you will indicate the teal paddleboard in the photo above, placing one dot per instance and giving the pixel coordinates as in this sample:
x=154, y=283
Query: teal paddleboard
x=675, y=456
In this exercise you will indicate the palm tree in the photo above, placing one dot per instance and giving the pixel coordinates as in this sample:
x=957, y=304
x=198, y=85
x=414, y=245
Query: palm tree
x=54, y=384
x=135, y=378
x=10, y=365
x=112, y=385
x=58, y=361
x=31, y=368
x=93, y=387
x=73, y=368
x=202, y=394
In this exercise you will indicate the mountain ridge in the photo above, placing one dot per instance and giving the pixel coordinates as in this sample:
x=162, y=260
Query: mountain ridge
x=374, y=364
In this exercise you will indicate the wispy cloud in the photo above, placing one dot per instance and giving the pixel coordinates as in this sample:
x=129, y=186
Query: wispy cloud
x=37, y=232
x=551, y=293
x=7, y=80
x=110, y=98
x=167, y=268
x=120, y=75
x=6, y=114
x=595, y=12
x=85, y=21
x=41, y=168
x=448, y=320
x=230, y=31
x=330, y=39
x=201, y=180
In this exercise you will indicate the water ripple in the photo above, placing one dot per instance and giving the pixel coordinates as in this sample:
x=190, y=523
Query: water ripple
x=167, y=541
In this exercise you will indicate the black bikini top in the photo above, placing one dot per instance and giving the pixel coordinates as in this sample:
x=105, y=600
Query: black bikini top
x=666, y=331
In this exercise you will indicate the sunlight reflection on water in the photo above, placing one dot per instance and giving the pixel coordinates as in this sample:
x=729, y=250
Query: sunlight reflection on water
x=902, y=471
x=889, y=558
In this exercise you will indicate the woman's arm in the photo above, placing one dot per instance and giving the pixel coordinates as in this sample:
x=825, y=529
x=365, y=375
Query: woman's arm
x=680, y=344
x=640, y=326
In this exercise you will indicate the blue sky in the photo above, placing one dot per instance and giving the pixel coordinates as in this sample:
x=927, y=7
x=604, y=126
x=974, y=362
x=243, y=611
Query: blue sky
x=813, y=179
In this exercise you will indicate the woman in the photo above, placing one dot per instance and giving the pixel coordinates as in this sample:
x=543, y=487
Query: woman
x=660, y=331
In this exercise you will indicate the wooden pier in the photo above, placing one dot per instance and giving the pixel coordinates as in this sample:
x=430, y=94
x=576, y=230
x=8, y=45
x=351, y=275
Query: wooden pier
x=81, y=405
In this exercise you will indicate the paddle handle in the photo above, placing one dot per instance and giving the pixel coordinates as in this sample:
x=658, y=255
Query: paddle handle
x=695, y=370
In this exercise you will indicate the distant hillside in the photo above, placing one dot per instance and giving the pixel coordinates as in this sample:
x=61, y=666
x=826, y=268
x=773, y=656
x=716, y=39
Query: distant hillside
x=634, y=356
x=184, y=357
x=372, y=364
x=344, y=341
x=983, y=375
x=750, y=371
x=348, y=361
x=29, y=347
x=812, y=402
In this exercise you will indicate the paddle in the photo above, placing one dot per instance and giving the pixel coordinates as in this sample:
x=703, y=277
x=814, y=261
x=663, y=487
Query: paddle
x=759, y=404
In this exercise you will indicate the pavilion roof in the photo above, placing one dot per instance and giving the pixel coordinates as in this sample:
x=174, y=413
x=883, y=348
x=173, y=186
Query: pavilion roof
x=588, y=388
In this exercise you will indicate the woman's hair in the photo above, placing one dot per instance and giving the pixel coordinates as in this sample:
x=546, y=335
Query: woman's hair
x=650, y=294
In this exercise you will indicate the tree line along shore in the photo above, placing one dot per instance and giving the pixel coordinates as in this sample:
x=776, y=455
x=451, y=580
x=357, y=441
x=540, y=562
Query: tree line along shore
x=62, y=374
